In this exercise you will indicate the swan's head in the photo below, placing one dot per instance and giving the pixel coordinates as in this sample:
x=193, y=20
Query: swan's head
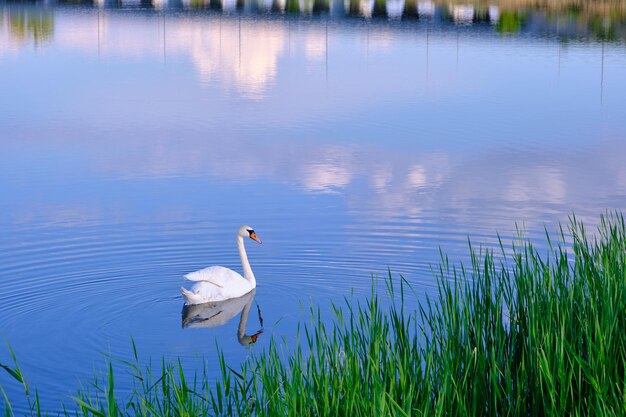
x=247, y=231
x=246, y=340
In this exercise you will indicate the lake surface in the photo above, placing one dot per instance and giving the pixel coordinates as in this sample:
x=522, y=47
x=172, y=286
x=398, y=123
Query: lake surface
x=355, y=137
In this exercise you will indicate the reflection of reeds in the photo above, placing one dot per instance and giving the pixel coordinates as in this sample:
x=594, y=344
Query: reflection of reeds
x=31, y=22
x=605, y=19
x=596, y=6
x=514, y=334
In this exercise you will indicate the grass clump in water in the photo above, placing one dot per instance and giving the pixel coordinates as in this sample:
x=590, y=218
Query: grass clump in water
x=513, y=334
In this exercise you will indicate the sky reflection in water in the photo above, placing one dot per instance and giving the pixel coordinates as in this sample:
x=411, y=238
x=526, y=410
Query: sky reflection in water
x=135, y=142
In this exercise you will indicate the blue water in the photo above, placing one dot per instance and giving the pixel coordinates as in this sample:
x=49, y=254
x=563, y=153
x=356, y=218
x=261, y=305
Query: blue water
x=136, y=140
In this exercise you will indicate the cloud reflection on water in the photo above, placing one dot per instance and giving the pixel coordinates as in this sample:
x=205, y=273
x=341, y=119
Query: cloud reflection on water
x=413, y=164
x=512, y=186
x=234, y=53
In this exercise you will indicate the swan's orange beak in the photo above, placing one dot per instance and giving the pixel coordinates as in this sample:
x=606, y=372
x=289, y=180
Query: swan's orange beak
x=254, y=237
x=255, y=336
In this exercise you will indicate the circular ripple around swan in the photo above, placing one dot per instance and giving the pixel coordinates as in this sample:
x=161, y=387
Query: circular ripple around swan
x=87, y=290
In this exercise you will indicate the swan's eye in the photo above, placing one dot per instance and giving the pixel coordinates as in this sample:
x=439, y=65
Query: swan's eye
x=250, y=232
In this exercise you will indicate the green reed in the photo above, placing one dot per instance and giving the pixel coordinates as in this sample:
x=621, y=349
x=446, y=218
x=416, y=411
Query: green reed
x=513, y=333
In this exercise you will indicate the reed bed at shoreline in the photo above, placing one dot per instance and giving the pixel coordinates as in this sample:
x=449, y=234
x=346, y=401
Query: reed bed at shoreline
x=514, y=333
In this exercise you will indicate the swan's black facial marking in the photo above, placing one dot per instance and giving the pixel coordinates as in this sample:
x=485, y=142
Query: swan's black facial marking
x=253, y=236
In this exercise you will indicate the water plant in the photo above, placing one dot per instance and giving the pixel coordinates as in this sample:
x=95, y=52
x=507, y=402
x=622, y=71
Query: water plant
x=514, y=333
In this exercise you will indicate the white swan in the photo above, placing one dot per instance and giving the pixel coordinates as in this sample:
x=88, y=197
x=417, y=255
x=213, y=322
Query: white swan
x=217, y=283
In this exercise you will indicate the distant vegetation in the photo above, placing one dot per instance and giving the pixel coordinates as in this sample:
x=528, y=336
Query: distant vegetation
x=515, y=333
x=566, y=19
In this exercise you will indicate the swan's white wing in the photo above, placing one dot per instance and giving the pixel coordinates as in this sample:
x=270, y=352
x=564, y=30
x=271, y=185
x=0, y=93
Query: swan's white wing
x=215, y=283
x=218, y=275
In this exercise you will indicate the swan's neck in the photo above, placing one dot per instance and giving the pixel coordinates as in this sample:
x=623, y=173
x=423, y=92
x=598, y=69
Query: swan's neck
x=247, y=271
x=241, y=331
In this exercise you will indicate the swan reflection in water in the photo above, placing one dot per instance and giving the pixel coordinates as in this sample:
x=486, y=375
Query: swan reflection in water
x=218, y=313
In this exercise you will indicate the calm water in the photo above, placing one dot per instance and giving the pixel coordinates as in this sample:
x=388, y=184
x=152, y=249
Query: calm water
x=354, y=137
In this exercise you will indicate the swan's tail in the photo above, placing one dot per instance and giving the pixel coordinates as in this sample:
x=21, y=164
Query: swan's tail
x=191, y=297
